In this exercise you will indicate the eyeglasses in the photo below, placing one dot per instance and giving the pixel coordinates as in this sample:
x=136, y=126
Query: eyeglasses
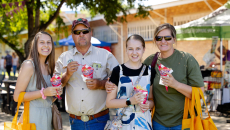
x=78, y=32
x=160, y=38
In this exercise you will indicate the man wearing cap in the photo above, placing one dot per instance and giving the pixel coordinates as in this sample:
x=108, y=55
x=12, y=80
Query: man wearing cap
x=85, y=101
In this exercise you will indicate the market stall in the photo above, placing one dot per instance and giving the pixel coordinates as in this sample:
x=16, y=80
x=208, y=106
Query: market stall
x=214, y=25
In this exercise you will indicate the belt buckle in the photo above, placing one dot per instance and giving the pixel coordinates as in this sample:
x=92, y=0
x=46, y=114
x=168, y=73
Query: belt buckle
x=84, y=118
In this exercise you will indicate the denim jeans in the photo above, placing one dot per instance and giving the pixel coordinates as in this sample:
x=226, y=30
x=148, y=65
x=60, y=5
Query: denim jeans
x=95, y=124
x=157, y=126
x=14, y=69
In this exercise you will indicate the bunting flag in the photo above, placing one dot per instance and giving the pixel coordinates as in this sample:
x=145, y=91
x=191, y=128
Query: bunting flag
x=3, y=5
x=15, y=11
x=16, y=3
x=23, y=3
x=21, y=7
x=10, y=4
x=18, y=9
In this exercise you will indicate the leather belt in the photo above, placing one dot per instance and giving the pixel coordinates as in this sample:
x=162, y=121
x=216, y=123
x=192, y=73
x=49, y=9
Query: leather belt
x=86, y=118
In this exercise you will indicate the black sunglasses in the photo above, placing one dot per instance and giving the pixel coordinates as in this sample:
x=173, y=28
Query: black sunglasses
x=160, y=38
x=78, y=32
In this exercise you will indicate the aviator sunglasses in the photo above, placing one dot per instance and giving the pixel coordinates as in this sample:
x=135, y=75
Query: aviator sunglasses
x=78, y=32
x=160, y=38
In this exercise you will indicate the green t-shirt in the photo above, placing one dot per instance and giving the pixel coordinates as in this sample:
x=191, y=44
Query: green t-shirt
x=170, y=105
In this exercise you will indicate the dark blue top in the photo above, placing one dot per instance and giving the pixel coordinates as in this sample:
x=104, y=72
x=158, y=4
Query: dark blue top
x=8, y=59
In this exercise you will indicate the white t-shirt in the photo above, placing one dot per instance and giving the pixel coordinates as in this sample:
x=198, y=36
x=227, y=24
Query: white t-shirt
x=15, y=61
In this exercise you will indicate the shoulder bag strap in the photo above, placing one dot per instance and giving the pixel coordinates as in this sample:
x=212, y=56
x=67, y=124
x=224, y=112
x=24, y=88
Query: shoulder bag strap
x=153, y=76
x=154, y=63
x=155, y=60
x=140, y=75
x=20, y=99
x=137, y=81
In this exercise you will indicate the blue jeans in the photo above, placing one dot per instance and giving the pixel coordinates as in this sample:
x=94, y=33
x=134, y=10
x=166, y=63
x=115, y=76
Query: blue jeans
x=157, y=126
x=14, y=69
x=95, y=124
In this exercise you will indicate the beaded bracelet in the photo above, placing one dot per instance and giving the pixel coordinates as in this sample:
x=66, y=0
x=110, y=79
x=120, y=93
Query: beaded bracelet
x=43, y=96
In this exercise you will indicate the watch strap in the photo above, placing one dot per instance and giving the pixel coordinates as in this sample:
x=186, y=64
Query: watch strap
x=128, y=102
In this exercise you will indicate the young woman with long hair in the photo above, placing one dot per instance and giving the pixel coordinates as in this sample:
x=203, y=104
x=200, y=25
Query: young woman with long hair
x=34, y=79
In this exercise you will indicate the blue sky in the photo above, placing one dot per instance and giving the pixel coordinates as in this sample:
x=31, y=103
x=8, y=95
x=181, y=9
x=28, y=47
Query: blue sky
x=145, y=2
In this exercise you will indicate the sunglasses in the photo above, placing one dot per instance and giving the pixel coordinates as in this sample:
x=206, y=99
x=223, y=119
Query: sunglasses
x=160, y=38
x=78, y=32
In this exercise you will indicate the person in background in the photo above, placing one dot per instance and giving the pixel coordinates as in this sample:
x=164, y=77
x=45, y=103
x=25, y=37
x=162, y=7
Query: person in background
x=226, y=54
x=85, y=100
x=137, y=115
x=2, y=68
x=15, y=62
x=8, y=62
x=34, y=79
x=169, y=104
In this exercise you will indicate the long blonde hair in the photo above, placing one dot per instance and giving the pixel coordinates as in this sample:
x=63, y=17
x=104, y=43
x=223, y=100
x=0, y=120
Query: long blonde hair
x=34, y=55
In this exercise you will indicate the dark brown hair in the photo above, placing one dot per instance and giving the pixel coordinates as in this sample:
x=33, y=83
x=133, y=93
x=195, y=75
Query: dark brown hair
x=34, y=56
x=136, y=37
x=165, y=26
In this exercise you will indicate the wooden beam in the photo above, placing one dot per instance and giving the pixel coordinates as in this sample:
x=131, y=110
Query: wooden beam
x=115, y=31
x=208, y=5
x=153, y=20
x=159, y=14
x=165, y=15
x=115, y=25
x=218, y=2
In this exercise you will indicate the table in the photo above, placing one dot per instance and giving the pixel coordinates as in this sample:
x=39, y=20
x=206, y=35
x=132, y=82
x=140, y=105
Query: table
x=7, y=105
x=206, y=73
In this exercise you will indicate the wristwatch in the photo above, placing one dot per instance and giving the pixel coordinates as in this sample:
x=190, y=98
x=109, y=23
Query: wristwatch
x=128, y=102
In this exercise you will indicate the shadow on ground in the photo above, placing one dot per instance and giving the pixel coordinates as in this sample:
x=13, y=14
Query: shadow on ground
x=219, y=120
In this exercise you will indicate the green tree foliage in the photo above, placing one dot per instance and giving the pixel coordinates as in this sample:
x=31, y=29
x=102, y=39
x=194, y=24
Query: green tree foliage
x=227, y=5
x=39, y=14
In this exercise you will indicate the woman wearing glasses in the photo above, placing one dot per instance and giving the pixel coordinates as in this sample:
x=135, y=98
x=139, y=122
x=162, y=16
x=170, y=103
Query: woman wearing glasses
x=169, y=104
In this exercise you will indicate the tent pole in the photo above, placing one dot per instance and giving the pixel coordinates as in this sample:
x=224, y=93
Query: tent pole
x=221, y=65
x=221, y=52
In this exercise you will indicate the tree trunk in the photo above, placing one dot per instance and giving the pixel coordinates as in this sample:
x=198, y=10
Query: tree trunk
x=20, y=55
x=32, y=31
x=30, y=26
x=28, y=45
x=33, y=27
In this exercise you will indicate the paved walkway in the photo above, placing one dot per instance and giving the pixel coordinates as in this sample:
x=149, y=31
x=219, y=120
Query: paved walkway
x=220, y=121
x=8, y=118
